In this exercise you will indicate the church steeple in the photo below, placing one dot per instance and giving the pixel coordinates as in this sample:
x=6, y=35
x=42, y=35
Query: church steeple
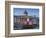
x=25, y=12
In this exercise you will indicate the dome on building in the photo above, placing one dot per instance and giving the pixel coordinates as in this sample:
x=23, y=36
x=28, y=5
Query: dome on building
x=25, y=12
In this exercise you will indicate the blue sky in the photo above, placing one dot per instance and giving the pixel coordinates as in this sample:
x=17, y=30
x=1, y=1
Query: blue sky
x=30, y=11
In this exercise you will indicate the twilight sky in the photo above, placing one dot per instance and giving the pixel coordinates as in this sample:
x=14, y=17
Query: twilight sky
x=30, y=11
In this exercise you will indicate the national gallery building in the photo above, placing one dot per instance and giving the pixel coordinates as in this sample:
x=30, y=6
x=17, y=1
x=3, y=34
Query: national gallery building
x=24, y=21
